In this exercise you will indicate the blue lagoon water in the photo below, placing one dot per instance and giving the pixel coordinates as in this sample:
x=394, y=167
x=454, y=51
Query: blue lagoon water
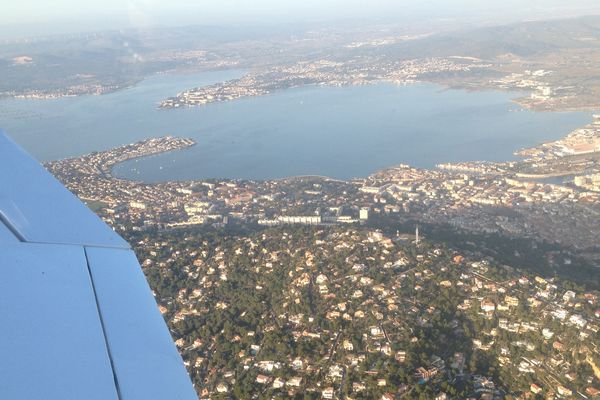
x=341, y=132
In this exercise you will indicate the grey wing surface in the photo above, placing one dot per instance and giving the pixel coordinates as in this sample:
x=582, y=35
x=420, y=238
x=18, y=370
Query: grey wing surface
x=78, y=319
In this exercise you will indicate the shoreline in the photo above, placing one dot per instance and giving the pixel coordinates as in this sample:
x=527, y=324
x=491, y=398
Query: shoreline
x=443, y=86
x=521, y=158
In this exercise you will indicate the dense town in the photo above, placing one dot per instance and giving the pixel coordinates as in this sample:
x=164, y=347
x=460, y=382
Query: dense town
x=311, y=287
x=322, y=72
x=512, y=199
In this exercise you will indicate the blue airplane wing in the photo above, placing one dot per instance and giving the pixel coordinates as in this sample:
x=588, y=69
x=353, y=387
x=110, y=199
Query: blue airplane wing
x=78, y=319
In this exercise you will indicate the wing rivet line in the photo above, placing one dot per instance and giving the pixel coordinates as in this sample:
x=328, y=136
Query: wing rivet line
x=110, y=358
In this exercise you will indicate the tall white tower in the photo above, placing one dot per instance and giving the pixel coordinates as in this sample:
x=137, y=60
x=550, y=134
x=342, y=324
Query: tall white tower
x=417, y=235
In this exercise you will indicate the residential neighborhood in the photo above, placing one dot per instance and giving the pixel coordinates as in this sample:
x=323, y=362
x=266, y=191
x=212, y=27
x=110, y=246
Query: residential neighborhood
x=337, y=312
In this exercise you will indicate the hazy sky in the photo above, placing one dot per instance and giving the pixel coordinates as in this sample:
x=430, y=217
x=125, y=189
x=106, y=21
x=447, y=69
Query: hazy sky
x=66, y=15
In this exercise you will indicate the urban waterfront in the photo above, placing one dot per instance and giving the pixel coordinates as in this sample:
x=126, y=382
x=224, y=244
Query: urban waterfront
x=341, y=132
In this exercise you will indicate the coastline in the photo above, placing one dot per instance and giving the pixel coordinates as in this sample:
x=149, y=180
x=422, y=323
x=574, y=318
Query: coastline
x=444, y=86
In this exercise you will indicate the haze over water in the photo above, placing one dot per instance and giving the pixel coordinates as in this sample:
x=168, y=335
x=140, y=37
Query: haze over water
x=341, y=132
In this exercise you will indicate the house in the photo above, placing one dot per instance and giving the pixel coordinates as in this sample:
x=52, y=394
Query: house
x=297, y=363
x=488, y=306
x=278, y=383
x=303, y=280
x=262, y=379
x=333, y=315
x=424, y=375
x=401, y=355
x=267, y=366
x=535, y=389
x=511, y=301
x=376, y=331
x=358, y=387
x=568, y=296
x=525, y=367
x=335, y=371
x=355, y=360
x=222, y=388
x=547, y=333
x=559, y=313
x=327, y=393
x=592, y=391
x=563, y=391
x=540, y=280
x=386, y=349
x=571, y=376
x=365, y=280
x=578, y=320
x=295, y=381
x=523, y=280
x=503, y=307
